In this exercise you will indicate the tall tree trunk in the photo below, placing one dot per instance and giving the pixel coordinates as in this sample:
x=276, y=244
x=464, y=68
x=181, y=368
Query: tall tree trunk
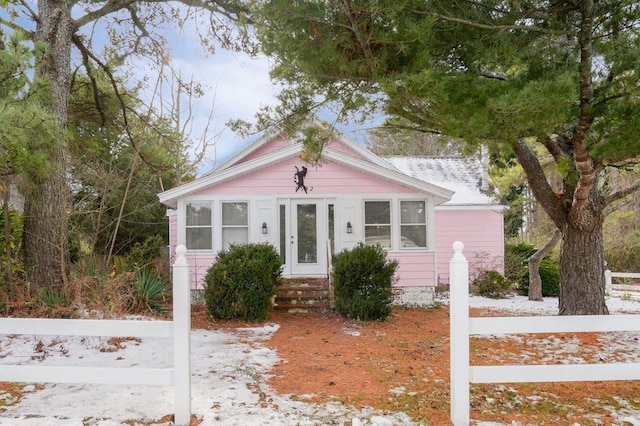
x=45, y=221
x=535, y=281
x=6, y=198
x=582, y=282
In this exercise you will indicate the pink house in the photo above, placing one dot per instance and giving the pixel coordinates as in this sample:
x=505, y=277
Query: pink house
x=414, y=207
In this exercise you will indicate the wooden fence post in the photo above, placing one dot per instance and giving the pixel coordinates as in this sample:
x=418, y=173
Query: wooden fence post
x=459, y=335
x=182, y=338
x=608, y=281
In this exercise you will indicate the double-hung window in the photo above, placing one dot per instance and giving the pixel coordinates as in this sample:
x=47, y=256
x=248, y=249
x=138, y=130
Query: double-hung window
x=377, y=223
x=235, y=223
x=413, y=224
x=199, y=230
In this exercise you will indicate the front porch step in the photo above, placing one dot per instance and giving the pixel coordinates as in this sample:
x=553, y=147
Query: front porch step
x=303, y=295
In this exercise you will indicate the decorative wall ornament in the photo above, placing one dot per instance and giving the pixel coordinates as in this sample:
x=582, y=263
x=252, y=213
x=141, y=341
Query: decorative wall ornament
x=298, y=178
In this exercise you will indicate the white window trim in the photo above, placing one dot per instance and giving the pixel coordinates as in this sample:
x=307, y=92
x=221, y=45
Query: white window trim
x=427, y=218
x=182, y=236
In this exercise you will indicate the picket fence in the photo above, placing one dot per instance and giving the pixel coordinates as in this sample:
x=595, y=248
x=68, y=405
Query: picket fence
x=178, y=329
x=462, y=326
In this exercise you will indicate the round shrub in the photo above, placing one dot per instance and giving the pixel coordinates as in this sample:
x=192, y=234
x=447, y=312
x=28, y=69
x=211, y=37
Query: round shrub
x=363, y=282
x=242, y=281
x=491, y=284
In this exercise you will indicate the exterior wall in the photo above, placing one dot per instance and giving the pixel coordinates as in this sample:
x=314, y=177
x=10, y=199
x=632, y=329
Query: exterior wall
x=271, y=146
x=481, y=232
x=330, y=178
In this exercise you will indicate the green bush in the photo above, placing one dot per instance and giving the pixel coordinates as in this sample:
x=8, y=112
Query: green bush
x=491, y=284
x=517, y=269
x=242, y=281
x=150, y=291
x=549, y=274
x=144, y=254
x=363, y=282
x=515, y=261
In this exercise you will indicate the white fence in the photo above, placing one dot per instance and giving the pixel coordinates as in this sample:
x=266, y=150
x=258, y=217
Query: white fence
x=179, y=329
x=615, y=289
x=462, y=373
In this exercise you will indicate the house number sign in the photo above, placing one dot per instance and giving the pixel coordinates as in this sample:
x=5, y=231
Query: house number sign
x=298, y=178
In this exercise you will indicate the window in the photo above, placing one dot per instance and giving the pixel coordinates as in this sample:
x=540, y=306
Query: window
x=377, y=223
x=413, y=224
x=235, y=223
x=198, y=228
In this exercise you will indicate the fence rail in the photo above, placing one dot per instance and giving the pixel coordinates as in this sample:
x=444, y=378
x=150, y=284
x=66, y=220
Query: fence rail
x=631, y=290
x=462, y=326
x=178, y=329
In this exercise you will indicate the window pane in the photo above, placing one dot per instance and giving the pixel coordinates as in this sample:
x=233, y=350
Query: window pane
x=377, y=212
x=413, y=236
x=412, y=212
x=234, y=214
x=307, y=233
x=234, y=235
x=199, y=238
x=199, y=214
x=413, y=229
x=378, y=235
x=283, y=234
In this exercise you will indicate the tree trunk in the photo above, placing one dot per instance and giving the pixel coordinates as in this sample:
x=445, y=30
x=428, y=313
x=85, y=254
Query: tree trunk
x=6, y=198
x=582, y=281
x=45, y=220
x=535, y=281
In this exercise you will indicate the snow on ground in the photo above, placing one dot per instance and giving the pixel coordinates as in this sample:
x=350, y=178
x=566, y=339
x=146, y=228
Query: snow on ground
x=228, y=372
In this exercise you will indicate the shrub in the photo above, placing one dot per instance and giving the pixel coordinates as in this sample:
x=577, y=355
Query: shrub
x=517, y=269
x=515, y=261
x=242, y=281
x=150, y=291
x=549, y=274
x=491, y=284
x=363, y=282
x=146, y=253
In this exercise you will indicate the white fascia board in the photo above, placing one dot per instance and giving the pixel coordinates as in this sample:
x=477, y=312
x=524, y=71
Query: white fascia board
x=262, y=140
x=440, y=194
x=364, y=152
x=171, y=196
x=494, y=207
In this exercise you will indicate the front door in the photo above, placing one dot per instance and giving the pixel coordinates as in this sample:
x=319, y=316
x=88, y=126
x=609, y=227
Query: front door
x=307, y=238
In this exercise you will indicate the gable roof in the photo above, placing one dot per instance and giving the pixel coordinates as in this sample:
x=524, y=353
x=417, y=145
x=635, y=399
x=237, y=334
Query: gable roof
x=274, y=133
x=465, y=176
x=380, y=169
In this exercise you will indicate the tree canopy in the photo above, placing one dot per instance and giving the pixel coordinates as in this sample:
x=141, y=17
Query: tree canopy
x=68, y=32
x=563, y=76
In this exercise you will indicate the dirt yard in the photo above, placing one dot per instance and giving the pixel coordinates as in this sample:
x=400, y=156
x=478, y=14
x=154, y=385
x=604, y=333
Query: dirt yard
x=402, y=364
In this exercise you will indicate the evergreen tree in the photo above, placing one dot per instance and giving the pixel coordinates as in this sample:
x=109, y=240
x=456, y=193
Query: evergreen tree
x=563, y=76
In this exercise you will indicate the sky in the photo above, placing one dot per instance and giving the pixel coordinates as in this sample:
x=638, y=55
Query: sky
x=235, y=85
x=229, y=372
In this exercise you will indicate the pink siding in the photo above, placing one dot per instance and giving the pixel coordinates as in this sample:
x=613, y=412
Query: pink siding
x=481, y=232
x=198, y=267
x=340, y=147
x=271, y=146
x=330, y=178
x=415, y=269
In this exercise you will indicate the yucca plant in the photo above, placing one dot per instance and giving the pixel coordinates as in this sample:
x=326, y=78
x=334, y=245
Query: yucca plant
x=150, y=291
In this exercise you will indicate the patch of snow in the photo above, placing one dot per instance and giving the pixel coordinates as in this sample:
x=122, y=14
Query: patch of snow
x=228, y=372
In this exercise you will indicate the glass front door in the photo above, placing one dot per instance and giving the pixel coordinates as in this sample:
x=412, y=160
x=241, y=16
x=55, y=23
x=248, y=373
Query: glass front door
x=307, y=237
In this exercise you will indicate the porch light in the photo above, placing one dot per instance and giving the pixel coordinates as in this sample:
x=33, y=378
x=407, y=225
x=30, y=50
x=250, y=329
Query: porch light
x=349, y=228
x=264, y=228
